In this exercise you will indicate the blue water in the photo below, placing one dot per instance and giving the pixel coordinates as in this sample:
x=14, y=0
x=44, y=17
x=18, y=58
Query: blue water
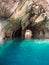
x=24, y=52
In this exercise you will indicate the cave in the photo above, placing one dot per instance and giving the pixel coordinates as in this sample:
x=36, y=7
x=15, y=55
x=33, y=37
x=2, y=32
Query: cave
x=17, y=33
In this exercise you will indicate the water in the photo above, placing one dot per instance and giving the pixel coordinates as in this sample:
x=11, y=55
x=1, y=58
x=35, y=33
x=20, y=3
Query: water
x=24, y=52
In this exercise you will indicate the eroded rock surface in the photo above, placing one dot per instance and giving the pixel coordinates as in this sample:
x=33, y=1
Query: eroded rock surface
x=7, y=7
x=20, y=15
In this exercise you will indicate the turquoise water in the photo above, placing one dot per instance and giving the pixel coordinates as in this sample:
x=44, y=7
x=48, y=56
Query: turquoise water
x=24, y=52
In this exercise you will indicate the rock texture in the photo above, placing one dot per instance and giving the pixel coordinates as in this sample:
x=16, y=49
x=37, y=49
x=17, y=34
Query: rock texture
x=8, y=7
x=21, y=15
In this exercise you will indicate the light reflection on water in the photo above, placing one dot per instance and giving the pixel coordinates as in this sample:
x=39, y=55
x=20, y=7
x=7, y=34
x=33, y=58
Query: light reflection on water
x=25, y=52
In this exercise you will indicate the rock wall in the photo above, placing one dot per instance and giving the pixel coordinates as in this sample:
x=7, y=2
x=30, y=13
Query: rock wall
x=44, y=3
x=23, y=15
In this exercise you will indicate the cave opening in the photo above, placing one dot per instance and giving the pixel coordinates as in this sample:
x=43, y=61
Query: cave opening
x=17, y=33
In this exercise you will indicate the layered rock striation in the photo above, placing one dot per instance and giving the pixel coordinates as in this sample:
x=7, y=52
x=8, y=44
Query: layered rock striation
x=17, y=16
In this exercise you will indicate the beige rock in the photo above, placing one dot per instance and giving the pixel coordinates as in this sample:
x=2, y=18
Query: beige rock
x=2, y=35
x=8, y=7
x=28, y=34
x=40, y=19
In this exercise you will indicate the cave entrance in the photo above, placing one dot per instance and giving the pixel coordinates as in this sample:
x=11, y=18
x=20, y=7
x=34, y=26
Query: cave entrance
x=17, y=34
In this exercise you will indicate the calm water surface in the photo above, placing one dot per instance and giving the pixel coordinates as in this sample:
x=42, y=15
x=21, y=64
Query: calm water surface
x=24, y=52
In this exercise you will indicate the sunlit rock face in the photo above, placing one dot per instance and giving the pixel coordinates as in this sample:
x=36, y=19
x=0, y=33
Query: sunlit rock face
x=8, y=7
x=28, y=34
x=21, y=15
x=44, y=3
